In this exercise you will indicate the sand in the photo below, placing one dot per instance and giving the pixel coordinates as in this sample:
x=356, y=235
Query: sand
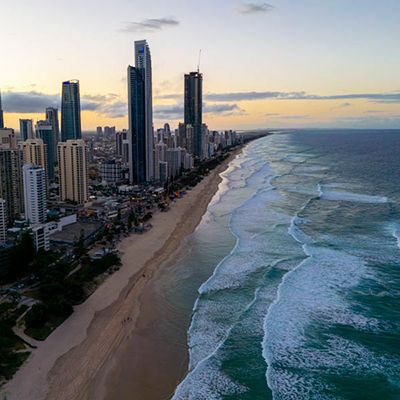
x=75, y=361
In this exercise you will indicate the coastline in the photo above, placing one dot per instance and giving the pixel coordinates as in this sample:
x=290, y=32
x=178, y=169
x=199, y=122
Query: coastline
x=75, y=360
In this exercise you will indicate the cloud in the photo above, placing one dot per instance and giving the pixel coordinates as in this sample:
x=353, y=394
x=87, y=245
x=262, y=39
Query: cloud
x=290, y=116
x=109, y=105
x=28, y=102
x=255, y=8
x=176, y=111
x=387, y=97
x=149, y=25
x=222, y=109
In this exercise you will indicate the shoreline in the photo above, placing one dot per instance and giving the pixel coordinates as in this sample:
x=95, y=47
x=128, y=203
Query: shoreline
x=74, y=361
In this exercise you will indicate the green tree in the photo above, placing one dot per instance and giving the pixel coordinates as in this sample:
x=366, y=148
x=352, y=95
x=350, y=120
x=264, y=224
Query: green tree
x=80, y=249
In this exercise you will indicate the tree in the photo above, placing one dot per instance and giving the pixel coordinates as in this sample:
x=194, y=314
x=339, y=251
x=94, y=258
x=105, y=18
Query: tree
x=80, y=249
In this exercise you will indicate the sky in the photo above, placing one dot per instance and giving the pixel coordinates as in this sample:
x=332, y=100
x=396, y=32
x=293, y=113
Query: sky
x=275, y=64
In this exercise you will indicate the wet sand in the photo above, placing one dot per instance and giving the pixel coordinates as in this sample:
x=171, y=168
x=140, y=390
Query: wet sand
x=83, y=357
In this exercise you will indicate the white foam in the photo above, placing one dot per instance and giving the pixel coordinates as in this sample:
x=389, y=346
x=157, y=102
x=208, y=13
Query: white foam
x=396, y=234
x=333, y=195
x=312, y=291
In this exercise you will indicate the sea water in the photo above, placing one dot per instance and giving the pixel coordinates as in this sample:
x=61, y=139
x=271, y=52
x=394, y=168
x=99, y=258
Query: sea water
x=298, y=266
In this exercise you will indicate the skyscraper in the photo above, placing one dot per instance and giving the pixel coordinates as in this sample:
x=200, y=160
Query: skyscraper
x=137, y=125
x=34, y=151
x=3, y=221
x=26, y=129
x=193, y=109
x=34, y=193
x=45, y=132
x=11, y=182
x=52, y=117
x=73, y=170
x=70, y=111
x=143, y=61
x=1, y=115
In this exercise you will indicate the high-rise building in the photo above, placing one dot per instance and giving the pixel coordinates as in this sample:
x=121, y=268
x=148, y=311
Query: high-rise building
x=111, y=171
x=34, y=178
x=99, y=131
x=7, y=139
x=70, y=111
x=119, y=141
x=193, y=109
x=3, y=221
x=1, y=115
x=174, y=160
x=143, y=62
x=45, y=132
x=34, y=151
x=26, y=129
x=137, y=125
x=109, y=131
x=11, y=189
x=73, y=171
x=52, y=117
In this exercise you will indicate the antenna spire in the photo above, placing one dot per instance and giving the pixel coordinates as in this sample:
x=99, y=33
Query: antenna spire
x=198, y=64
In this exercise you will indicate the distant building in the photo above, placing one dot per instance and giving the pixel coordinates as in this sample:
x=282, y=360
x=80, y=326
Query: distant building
x=111, y=171
x=52, y=117
x=3, y=221
x=109, y=131
x=7, y=139
x=34, y=151
x=26, y=129
x=163, y=171
x=194, y=109
x=1, y=115
x=99, y=131
x=119, y=141
x=70, y=111
x=174, y=160
x=45, y=132
x=11, y=188
x=34, y=178
x=73, y=171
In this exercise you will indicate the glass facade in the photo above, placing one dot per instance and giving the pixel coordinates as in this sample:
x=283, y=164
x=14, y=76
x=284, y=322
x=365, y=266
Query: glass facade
x=194, y=108
x=137, y=124
x=70, y=111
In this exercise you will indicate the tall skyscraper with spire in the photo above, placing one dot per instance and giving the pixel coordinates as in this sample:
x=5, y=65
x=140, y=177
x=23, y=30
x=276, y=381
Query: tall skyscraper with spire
x=70, y=111
x=143, y=62
x=1, y=115
x=194, y=109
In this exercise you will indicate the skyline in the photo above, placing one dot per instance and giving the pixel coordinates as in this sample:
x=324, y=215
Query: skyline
x=282, y=65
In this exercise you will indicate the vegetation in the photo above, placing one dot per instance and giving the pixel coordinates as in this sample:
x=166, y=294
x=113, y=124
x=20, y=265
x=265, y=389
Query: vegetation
x=10, y=359
x=58, y=293
x=21, y=258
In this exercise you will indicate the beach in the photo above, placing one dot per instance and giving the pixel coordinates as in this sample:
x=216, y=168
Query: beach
x=79, y=359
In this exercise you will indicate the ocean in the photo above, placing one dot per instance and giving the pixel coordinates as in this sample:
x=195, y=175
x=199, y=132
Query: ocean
x=294, y=272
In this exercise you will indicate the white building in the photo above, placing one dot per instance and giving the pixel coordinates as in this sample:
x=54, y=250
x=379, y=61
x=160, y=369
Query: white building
x=34, y=178
x=41, y=236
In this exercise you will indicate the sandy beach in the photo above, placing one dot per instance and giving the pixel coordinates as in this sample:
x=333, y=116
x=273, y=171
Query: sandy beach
x=79, y=360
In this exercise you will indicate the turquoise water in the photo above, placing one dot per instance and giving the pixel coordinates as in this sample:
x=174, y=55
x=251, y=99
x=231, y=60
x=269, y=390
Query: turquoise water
x=299, y=260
